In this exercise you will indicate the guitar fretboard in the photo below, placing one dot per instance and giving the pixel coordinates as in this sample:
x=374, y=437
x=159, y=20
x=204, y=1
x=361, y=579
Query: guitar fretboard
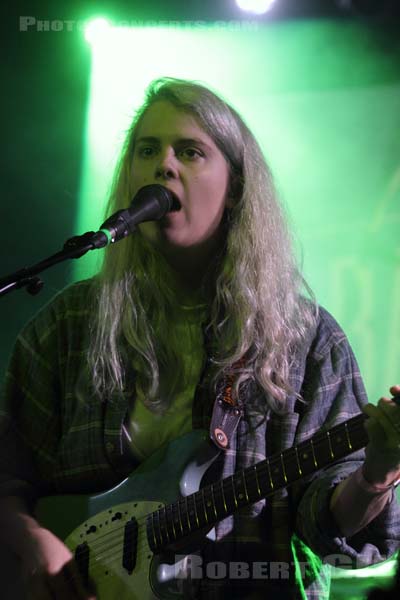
x=214, y=502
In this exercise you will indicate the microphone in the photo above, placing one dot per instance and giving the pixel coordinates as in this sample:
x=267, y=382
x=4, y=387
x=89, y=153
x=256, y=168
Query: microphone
x=151, y=203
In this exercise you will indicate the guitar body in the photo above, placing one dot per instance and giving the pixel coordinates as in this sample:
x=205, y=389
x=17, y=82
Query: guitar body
x=135, y=541
x=107, y=531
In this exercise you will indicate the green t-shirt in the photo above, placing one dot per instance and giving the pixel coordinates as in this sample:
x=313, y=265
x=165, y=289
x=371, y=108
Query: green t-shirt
x=149, y=430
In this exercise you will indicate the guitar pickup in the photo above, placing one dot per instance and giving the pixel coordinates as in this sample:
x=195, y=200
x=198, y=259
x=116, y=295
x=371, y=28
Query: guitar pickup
x=130, y=545
x=82, y=561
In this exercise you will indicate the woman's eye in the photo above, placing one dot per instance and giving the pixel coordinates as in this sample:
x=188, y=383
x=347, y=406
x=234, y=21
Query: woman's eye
x=146, y=151
x=191, y=153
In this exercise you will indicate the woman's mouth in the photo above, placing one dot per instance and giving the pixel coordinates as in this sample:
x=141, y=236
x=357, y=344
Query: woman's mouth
x=176, y=203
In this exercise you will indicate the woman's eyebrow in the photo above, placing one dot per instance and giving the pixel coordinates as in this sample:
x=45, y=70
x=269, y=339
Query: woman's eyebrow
x=190, y=141
x=178, y=141
x=148, y=140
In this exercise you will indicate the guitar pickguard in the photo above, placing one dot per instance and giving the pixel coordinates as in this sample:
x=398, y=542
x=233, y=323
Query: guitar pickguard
x=116, y=533
x=111, y=545
x=104, y=535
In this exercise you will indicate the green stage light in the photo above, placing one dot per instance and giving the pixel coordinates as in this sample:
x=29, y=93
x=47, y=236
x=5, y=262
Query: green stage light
x=324, y=105
x=96, y=29
x=323, y=102
x=258, y=7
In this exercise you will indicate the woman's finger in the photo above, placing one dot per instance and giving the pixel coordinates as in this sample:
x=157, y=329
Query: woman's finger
x=383, y=425
x=390, y=420
x=395, y=391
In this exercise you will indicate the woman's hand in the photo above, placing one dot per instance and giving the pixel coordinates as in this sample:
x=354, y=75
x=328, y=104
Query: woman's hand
x=49, y=570
x=382, y=462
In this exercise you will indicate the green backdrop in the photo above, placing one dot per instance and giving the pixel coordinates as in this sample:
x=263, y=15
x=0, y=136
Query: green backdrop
x=324, y=101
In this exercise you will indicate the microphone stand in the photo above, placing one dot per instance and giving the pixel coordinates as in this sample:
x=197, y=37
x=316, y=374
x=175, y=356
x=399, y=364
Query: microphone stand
x=74, y=247
x=151, y=202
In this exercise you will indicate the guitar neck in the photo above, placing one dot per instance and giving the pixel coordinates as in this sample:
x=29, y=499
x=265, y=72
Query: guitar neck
x=214, y=502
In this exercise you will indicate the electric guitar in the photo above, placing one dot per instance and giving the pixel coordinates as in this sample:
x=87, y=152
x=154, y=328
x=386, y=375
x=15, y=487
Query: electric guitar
x=120, y=538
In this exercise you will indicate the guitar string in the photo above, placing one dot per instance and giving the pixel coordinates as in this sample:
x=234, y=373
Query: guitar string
x=98, y=571
x=276, y=460
x=272, y=461
x=183, y=502
x=102, y=545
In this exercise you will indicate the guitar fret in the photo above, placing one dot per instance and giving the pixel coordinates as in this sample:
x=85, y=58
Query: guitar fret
x=195, y=511
x=269, y=474
x=257, y=482
x=234, y=493
x=291, y=464
x=283, y=467
x=223, y=496
x=213, y=501
x=163, y=518
x=187, y=514
x=176, y=518
x=313, y=453
x=297, y=460
x=210, y=500
x=159, y=531
x=244, y=483
x=200, y=506
x=330, y=445
x=192, y=512
x=171, y=519
x=204, y=506
x=179, y=516
x=348, y=437
x=160, y=526
x=166, y=522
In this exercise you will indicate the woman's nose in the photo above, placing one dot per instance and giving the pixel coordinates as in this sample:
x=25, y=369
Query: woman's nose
x=166, y=168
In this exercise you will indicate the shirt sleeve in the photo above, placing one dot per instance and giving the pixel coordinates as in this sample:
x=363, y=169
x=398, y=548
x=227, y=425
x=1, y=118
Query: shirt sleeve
x=334, y=392
x=30, y=413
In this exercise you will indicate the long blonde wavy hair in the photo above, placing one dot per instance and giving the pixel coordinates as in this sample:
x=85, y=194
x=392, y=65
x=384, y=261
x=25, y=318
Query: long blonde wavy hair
x=257, y=307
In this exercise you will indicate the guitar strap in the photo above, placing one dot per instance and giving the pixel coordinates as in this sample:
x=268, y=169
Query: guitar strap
x=227, y=411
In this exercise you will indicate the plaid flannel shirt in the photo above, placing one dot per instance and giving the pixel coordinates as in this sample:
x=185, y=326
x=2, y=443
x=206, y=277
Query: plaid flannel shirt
x=56, y=436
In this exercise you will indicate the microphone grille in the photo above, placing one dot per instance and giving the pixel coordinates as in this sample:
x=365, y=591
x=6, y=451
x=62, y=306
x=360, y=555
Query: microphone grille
x=157, y=193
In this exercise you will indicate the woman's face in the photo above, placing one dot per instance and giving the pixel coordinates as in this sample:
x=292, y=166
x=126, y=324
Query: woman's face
x=173, y=150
